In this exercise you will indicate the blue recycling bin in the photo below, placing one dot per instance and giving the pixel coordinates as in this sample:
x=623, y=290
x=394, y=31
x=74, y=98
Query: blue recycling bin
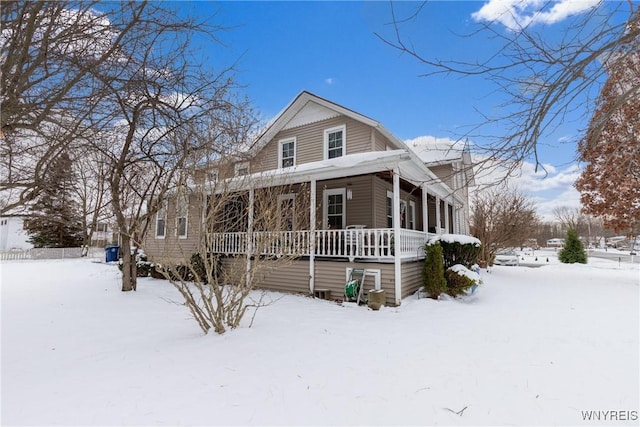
x=111, y=253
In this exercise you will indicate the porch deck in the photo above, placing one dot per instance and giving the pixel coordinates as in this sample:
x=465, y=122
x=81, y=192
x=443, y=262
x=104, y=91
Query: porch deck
x=378, y=244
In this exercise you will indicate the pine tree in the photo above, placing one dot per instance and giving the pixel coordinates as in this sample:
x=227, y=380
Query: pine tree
x=433, y=271
x=573, y=250
x=55, y=220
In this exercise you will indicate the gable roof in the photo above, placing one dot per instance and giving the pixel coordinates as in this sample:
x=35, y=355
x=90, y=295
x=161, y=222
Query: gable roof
x=308, y=108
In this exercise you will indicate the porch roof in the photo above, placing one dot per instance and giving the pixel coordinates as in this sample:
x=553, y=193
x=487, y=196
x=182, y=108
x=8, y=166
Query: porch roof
x=340, y=167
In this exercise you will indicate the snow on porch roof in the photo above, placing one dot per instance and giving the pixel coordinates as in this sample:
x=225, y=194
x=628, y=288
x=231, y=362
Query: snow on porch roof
x=349, y=165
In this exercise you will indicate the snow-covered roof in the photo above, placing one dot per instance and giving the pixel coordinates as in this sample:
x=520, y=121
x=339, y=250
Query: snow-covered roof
x=432, y=150
x=349, y=165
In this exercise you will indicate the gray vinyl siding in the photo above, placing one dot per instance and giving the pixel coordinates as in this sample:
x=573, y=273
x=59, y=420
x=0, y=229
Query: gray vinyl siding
x=359, y=208
x=445, y=173
x=411, y=277
x=381, y=142
x=380, y=188
x=288, y=276
x=171, y=247
x=332, y=275
x=310, y=142
x=293, y=275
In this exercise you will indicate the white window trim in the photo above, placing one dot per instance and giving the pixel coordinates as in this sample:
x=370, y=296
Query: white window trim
x=280, y=144
x=325, y=206
x=212, y=175
x=411, y=220
x=182, y=211
x=292, y=197
x=162, y=212
x=241, y=165
x=386, y=212
x=342, y=128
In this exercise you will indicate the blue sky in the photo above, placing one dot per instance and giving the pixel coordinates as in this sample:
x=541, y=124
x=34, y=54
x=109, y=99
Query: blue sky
x=330, y=49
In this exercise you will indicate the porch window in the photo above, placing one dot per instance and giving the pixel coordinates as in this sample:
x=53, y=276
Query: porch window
x=286, y=212
x=287, y=153
x=403, y=214
x=234, y=215
x=389, y=209
x=181, y=217
x=334, y=142
x=407, y=219
x=334, y=208
x=412, y=215
x=161, y=223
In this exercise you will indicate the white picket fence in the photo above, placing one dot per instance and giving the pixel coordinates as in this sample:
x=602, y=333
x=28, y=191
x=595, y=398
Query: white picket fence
x=50, y=253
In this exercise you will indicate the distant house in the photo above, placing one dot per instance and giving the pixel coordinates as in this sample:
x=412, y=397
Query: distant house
x=13, y=235
x=555, y=243
x=368, y=201
x=102, y=235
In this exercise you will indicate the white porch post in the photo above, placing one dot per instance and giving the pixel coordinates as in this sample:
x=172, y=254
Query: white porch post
x=438, y=221
x=249, y=236
x=425, y=209
x=446, y=215
x=312, y=237
x=396, y=234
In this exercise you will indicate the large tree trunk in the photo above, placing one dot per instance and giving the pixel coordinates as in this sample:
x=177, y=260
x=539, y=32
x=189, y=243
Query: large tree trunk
x=129, y=273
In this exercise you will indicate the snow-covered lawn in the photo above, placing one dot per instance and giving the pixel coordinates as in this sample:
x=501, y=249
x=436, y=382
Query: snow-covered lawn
x=533, y=346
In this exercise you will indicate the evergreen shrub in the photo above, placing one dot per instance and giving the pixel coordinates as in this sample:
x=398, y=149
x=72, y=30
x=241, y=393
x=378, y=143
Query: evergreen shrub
x=573, y=250
x=433, y=278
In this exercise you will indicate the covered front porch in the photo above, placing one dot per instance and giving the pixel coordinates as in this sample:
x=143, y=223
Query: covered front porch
x=373, y=207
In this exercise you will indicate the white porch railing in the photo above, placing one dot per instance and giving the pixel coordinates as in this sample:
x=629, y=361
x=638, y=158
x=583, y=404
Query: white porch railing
x=375, y=243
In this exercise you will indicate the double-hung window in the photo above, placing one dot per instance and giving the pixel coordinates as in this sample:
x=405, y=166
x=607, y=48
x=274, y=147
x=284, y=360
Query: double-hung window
x=161, y=223
x=287, y=153
x=241, y=168
x=182, y=209
x=335, y=142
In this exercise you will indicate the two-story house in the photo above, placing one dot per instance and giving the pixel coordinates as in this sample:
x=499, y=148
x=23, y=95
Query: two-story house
x=369, y=202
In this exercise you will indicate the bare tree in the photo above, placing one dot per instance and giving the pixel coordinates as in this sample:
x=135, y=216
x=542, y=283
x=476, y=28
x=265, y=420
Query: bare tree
x=501, y=217
x=541, y=80
x=48, y=54
x=568, y=217
x=257, y=226
x=123, y=76
x=92, y=190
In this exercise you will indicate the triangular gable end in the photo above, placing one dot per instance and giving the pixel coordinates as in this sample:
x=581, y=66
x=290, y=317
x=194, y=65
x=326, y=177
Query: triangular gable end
x=311, y=112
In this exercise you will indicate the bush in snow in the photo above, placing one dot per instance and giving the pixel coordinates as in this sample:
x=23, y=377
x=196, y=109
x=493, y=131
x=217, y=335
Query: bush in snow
x=460, y=280
x=573, y=251
x=143, y=267
x=433, y=271
x=458, y=249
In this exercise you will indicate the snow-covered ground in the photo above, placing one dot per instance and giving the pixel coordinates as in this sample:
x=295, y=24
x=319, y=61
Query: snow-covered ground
x=534, y=346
